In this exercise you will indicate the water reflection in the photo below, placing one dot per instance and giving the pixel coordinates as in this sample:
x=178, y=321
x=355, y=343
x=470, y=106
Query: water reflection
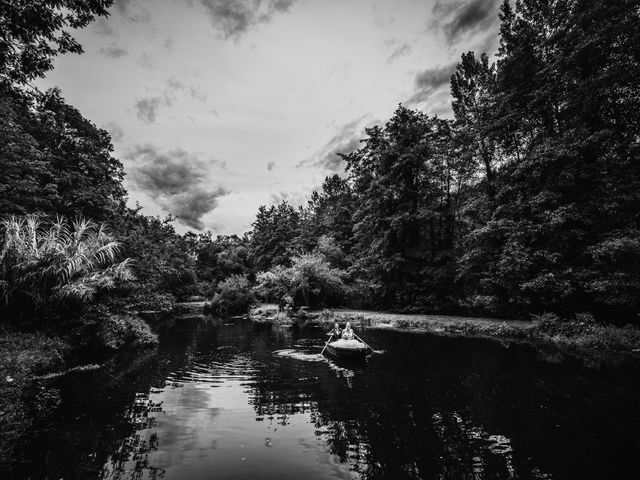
x=240, y=400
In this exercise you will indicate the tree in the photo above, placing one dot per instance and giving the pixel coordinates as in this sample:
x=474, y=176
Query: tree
x=405, y=185
x=32, y=33
x=272, y=239
x=55, y=161
x=571, y=193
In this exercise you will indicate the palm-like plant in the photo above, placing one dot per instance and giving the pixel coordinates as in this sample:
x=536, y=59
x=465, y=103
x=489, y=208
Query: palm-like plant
x=57, y=262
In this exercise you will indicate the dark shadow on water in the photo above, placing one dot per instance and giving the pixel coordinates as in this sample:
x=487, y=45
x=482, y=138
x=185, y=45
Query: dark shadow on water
x=234, y=399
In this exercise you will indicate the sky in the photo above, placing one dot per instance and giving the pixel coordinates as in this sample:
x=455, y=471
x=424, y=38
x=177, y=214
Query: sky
x=216, y=107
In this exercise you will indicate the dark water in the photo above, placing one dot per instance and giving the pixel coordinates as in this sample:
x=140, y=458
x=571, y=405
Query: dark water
x=215, y=402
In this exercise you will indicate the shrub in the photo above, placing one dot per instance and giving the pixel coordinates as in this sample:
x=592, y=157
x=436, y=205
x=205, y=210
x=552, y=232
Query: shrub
x=310, y=281
x=118, y=330
x=44, y=265
x=274, y=286
x=233, y=296
x=152, y=301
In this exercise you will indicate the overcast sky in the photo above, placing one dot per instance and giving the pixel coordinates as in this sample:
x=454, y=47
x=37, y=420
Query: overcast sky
x=218, y=106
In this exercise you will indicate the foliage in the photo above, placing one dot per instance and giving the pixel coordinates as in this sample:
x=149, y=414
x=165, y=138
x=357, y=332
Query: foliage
x=25, y=355
x=310, y=281
x=34, y=32
x=218, y=258
x=271, y=239
x=117, y=330
x=165, y=261
x=45, y=264
x=54, y=161
x=151, y=301
x=525, y=202
x=233, y=296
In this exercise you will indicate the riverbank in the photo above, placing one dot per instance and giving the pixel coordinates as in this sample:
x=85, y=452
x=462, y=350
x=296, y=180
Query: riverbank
x=581, y=336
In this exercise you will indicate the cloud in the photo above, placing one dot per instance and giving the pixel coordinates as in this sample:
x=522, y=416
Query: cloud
x=345, y=141
x=431, y=81
x=233, y=18
x=146, y=60
x=175, y=86
x=101, y=26
x=132, y=11
x=113, y=51
x=147, y=108
x=458, y=19
x=115, y=130
x=399, y=51
x=295, y=199
x=177, y=180
x=270, y=165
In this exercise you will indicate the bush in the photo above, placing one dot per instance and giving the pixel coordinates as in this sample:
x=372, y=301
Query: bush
x=119, y=330
x=45, y=265
x=310, y=281
x=152, y=301
x=233, y=296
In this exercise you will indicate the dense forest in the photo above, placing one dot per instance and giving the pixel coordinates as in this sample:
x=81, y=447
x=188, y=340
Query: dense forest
x=526, y=201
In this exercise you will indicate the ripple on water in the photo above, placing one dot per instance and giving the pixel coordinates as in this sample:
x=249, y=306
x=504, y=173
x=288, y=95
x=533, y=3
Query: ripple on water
x=299, y=355
x=239, y=368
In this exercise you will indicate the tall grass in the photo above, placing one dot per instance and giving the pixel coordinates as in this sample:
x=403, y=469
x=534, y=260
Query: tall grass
x=43, y=263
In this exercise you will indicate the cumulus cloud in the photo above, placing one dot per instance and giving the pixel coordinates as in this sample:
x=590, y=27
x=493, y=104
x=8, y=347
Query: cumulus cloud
x=177, y=180
x=233, y=18
x=432, y=81
x=113, y=51
x=147, y=108
x=460, y=19
x=345, y=141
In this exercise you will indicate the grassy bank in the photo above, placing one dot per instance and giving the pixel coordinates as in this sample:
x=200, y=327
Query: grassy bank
x=581, y=335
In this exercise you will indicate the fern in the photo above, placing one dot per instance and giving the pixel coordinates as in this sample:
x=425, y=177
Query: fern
x=58, y=261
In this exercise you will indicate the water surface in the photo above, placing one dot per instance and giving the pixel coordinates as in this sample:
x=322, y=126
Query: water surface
x=232, y=399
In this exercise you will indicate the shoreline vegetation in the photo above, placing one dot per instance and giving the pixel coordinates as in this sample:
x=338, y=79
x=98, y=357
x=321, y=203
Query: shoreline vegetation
x=581, y=336
x=525, y=201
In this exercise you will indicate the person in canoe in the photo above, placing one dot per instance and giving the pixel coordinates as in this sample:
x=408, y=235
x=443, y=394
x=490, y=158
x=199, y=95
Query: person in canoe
x=347, y=333
x=337, y=331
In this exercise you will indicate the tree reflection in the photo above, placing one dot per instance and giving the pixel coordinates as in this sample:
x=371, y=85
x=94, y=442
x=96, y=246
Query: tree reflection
x=432, y=408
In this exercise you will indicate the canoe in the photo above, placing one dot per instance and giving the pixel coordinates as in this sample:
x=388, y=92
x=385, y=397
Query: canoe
x=347, y=348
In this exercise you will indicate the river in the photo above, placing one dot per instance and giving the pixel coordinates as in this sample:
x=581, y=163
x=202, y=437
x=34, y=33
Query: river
x=232, y=399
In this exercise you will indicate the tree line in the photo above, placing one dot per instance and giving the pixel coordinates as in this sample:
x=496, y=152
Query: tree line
x=525, y=201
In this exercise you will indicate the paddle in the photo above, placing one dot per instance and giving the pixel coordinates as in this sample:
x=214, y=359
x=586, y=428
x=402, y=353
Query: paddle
x=325, y=345
x=366, y=344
